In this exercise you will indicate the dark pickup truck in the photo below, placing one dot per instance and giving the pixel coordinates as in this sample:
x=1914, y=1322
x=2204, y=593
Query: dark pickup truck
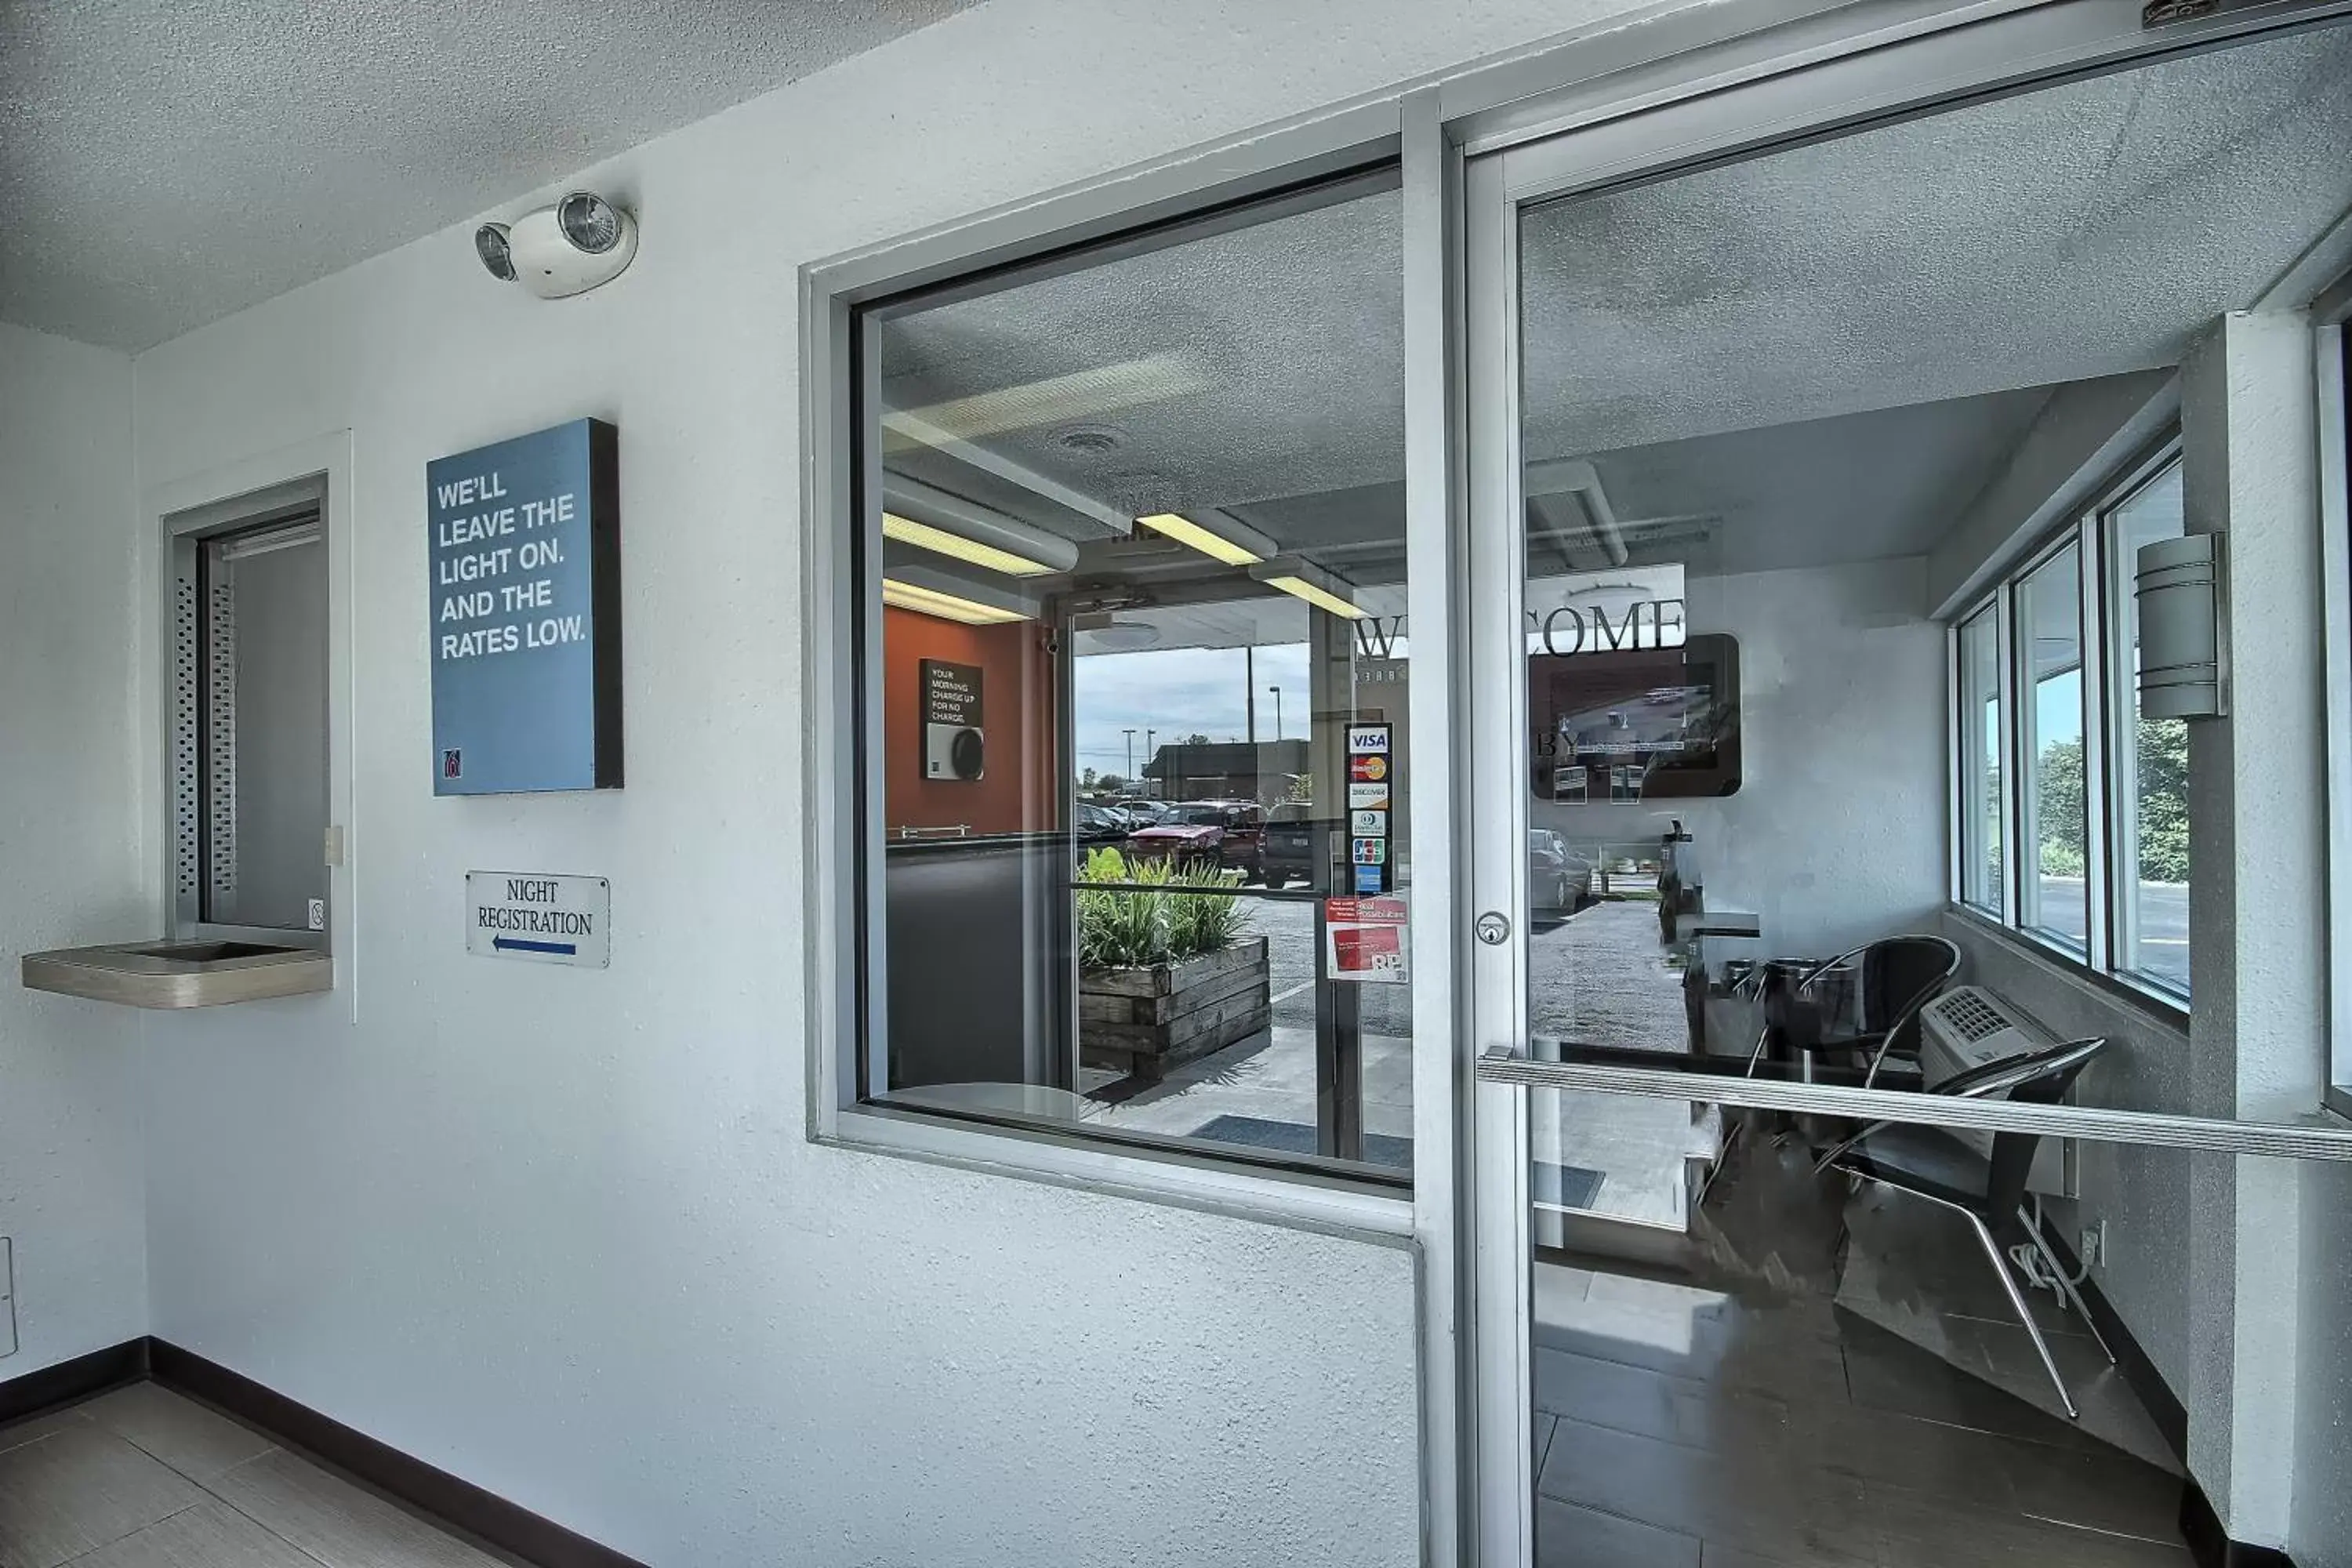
x=1292, y=839
x=1230, y=832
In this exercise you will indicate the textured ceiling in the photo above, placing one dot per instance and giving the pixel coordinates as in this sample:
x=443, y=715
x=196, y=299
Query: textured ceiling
x=163, y=166
x=1823, y=352
x=1258, y=362
x=2078, y=232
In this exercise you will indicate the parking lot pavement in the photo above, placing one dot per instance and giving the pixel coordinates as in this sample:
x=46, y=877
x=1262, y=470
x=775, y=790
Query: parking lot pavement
x=1601, y=978
x=1289, y=927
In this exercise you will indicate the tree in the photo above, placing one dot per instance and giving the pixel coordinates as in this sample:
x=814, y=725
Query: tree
x=1112, y=783
x=2162, y=805
x=1088, y=779
x=2163, y=800
x=2058, y=823
x=1193, y=741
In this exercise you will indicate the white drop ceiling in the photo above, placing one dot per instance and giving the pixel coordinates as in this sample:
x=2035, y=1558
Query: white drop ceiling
x=162, y=165
x=1816, y=356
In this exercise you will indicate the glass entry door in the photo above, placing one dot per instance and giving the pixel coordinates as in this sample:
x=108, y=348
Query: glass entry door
x=1840, y=1197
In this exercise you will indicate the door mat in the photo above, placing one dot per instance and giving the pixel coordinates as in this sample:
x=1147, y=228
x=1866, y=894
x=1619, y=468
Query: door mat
x=1296, y=1138
x=1563, y=1187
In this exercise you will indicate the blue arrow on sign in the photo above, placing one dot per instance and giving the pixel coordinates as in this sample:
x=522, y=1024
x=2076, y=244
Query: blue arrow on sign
x=519, y=945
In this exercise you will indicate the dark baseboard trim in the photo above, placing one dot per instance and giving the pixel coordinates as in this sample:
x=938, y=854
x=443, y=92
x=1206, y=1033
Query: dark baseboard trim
x=2212, y=1545
x=506, y=1525
x=70, y=1382
x=2156, y=1396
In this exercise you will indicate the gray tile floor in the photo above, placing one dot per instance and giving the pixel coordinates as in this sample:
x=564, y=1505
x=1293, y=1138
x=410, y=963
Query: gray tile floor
x=1743, y=1413
x=142, y=1478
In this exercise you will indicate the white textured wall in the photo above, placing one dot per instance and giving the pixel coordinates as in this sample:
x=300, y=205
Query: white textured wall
x=1841, y=707
x=2320, y=1534
x=70, y=865
x=2257, y=794
x=558, y=1231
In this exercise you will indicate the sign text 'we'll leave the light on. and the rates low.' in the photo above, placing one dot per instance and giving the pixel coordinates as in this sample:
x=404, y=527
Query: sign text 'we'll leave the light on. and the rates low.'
x=525, y=607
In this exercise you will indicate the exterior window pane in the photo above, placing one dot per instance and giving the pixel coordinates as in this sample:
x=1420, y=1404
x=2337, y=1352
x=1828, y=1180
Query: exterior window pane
x=1979, y=753
x=1141, y=680
x=2050, y=686
x=2151, y=765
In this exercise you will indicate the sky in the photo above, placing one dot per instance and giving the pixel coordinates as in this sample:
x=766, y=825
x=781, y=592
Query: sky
x=1179, y=692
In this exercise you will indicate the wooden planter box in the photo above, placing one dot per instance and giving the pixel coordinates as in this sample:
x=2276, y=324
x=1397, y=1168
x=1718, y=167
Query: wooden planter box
x=1147, y=1020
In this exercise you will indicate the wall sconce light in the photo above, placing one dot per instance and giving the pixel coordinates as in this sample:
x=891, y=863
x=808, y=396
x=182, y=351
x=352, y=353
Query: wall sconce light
x=2184, y=657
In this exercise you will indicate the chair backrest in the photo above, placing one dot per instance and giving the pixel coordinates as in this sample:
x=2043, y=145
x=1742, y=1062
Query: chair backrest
x=2036, y=1078
x=1900, y=973
x=1897, y=975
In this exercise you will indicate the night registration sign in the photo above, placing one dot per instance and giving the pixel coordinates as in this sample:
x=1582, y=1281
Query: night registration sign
x=540, y=918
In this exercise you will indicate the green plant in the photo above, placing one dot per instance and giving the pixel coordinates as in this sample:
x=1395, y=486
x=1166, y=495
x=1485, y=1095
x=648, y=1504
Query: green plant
x=1165, y=911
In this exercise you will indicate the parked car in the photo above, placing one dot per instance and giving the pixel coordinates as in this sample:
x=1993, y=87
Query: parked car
x=1291, y=835
x=1146, y=812
x=1559, y=879
x=1230, y=832
x=1093, y=824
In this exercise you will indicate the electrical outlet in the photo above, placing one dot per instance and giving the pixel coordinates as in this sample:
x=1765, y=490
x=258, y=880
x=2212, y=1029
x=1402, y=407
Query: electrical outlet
x=318, y=914
x=2093, y=1250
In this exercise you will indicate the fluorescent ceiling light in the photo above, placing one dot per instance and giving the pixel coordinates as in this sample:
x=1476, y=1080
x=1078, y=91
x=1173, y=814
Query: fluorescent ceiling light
x=1305, y=580
x=946, y=606
x=907, y=531
x=932, y=518
x=1322, y=598
x=1214, y=544
x=1577, y=478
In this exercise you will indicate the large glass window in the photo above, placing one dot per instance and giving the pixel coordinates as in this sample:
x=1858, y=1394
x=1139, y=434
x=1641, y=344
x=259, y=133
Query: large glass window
x=1135, y=563
x=2097, y=783
x=1979, y=752
x=2056, y=818
x=2149, y=763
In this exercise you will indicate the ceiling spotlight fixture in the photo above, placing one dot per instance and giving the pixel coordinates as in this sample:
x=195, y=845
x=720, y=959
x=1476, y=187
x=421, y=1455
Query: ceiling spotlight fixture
x=1303, y=579
x=497, y=257
x=568, y=248
x=905, y=595
x=591, y=224
x=1223, y=539
x=931, y=518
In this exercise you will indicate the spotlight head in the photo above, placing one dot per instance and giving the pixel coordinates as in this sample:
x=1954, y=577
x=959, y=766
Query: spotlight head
x=490, y=245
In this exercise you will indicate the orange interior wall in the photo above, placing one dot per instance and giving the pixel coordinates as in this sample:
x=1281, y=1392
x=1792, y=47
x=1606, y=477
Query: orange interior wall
x=1017, y=707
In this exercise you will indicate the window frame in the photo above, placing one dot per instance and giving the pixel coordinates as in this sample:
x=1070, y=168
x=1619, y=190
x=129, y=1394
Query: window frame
x=2331, y=364
x=2087, y=526
x=312, y=473
x=1966, y=741
x=2026, y=893
x=2120, y=719
x=843, y=914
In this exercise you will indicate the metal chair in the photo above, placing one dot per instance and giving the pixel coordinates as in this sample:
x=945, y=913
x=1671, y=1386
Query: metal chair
x=1900, y=974
x=1933, y=1163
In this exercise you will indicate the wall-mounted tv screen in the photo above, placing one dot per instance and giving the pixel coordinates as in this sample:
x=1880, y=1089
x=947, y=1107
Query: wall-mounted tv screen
x=1634, y=724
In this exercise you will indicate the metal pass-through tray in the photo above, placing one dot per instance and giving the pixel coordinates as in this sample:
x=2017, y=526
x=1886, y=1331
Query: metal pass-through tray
x=180, y=973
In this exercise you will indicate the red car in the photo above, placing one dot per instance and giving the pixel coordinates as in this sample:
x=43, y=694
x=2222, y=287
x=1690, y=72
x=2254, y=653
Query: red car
x=1230, y=832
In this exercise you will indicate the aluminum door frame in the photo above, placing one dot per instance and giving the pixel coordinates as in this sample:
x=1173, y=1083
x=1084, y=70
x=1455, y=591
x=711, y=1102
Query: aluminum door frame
x=1508, y=157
